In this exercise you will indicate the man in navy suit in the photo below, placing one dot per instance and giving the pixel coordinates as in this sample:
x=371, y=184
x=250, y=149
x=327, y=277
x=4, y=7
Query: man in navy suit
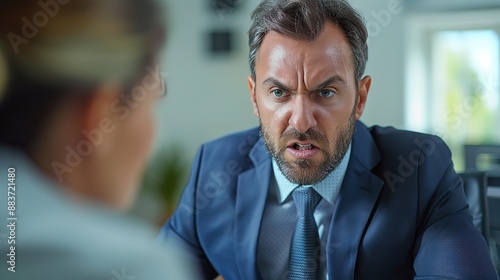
x=390, y=204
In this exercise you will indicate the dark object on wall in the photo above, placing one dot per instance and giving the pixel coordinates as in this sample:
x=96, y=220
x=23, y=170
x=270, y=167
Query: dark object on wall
x=225, y=6
x=220, y=42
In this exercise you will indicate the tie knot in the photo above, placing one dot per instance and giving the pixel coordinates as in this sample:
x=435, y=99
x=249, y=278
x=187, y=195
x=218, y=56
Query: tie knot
x=306, y=199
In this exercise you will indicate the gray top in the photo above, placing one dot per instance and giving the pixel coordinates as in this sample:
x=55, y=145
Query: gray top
x=58, y=237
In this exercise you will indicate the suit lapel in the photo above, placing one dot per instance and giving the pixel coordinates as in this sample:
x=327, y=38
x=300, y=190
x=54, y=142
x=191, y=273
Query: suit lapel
x=357, y=198
x=251, y=196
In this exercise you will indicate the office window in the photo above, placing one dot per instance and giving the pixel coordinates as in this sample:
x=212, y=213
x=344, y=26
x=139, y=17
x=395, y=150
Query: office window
x=454, y=91
x=465, y=86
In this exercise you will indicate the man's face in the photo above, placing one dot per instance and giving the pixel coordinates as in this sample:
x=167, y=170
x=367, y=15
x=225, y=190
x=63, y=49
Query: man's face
x=307, y=101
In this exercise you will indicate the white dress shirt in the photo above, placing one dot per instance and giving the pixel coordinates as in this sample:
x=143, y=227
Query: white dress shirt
x=280, y=216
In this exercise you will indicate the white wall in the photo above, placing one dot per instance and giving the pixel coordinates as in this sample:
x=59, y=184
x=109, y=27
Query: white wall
x=385, y=22
x=208, y=97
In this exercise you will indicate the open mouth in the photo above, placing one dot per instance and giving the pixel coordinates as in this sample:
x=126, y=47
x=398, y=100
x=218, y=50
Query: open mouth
x=302, y=147
x=302, y=150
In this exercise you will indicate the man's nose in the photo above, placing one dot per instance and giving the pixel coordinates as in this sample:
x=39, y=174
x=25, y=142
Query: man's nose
x=302, y=115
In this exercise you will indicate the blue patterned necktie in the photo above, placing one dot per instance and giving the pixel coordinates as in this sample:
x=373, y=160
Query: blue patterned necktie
x=304, y=253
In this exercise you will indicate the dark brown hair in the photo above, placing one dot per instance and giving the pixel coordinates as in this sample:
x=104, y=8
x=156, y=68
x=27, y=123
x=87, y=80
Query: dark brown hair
x=305, y=20
x=39, y=84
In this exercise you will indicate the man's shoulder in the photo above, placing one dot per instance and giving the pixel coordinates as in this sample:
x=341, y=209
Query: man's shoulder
x=238, y=143
x=390, y=132
x=248, y=136
x=392, y=140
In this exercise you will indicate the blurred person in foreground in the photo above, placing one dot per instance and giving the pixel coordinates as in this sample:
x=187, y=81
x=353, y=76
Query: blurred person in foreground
x=76, y=122
x=313, y=193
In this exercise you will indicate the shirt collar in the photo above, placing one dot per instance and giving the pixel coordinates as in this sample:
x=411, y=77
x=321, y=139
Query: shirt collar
x=329, y=188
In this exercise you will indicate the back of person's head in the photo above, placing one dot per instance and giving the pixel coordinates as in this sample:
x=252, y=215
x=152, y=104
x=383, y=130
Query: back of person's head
x=78, y=87
x=305, y=20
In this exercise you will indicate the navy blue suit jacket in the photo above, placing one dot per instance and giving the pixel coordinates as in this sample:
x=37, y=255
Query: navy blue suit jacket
x=401, y=212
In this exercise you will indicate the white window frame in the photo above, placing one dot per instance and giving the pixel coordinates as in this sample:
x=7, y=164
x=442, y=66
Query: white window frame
x=419, y=104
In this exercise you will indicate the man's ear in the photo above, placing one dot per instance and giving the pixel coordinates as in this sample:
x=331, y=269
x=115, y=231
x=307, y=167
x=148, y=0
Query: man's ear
x=97, y=112
x=364, y=88
x=253, y=97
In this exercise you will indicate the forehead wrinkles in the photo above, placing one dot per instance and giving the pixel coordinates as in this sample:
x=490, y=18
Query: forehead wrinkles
x=279, y=56
x=319, y=66
x=344, y=61
x=300, y=63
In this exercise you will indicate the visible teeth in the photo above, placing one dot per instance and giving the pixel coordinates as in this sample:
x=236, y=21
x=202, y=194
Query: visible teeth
x=304, y=147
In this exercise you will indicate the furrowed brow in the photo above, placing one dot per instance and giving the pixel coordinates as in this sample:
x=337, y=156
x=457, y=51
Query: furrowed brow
x=275, y=82
x=332, y=80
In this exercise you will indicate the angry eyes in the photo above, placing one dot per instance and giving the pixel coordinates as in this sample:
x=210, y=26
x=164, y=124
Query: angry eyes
x=324, y=93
